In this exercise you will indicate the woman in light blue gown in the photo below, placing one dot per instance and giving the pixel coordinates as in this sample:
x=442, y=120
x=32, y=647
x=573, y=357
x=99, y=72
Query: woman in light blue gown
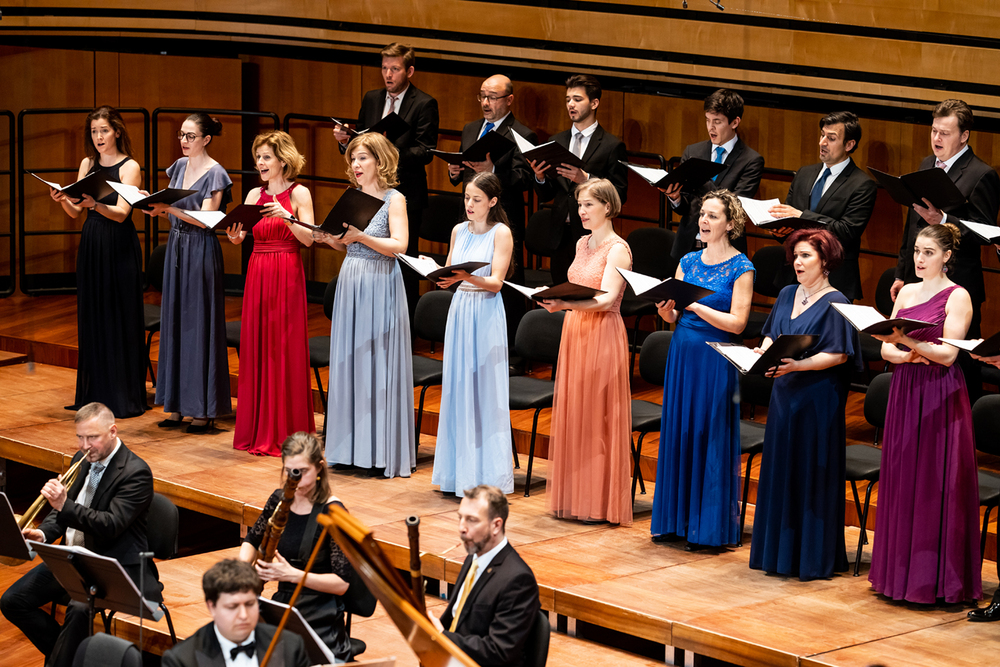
x=473, y=439
x=370, y=413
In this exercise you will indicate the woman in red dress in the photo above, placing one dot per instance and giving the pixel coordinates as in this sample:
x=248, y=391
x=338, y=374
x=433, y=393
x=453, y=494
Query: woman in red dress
x=274, y=392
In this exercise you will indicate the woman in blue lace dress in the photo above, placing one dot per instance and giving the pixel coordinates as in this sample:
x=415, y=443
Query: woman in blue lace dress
x=369, y=421
x=698, y=468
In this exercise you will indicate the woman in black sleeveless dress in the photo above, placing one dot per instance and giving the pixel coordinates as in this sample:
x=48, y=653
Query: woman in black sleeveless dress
x=112, y=366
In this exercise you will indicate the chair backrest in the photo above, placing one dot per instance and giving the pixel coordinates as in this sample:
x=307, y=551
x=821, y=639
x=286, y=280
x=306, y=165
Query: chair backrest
x=443, y=212
x=541, y=236
x=883, y=301
x=767, y=262
x=986, y=422
x=756, y=389
x=328, y=296
x=431, y=315
x=653, y=357
x=162, y=526
x=154, y=268
x=103, y=650
x=651, y=248
x=538, y=336
x=877, y=399
x=536, y=648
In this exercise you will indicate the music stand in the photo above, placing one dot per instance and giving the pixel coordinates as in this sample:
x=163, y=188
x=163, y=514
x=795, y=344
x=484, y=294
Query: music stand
x=319, y=653
x=97, y=581
x=12, y=542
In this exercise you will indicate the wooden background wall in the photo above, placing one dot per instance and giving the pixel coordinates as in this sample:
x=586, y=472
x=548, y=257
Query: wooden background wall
x=658, y=62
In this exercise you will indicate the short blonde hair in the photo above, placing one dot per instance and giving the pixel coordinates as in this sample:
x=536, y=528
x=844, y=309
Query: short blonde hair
x=283, y=146
x=603, y=191
x=734, y=210
x=385, y=154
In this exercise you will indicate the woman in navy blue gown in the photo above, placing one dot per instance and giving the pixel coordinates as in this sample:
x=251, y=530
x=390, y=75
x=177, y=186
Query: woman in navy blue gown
x=798, y=527
x=698, y=468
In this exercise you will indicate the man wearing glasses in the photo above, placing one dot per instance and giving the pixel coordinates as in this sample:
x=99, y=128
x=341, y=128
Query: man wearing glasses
x=495, y=97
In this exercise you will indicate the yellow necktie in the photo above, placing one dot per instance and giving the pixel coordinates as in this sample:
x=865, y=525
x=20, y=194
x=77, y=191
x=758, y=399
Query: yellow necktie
x=466, y=589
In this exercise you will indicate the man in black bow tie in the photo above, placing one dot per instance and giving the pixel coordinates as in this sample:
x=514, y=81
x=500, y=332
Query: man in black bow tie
x=234, y=638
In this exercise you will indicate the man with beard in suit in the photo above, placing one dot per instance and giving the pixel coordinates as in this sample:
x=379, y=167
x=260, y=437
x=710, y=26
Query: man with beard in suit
x=491, y=612
x=602, y=154
x=104, y=510
x=234, y=638
x=744, y=166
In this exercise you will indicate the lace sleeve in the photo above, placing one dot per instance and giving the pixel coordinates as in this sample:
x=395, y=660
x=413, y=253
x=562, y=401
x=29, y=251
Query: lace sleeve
x=256, y=533
x=338, y=561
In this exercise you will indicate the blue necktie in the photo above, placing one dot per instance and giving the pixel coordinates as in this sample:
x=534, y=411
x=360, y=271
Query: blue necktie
x=719, y=152
x=486, y=128
x=817, y=191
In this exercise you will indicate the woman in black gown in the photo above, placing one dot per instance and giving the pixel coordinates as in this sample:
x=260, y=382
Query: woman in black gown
x=112, y=365
x=332, y=582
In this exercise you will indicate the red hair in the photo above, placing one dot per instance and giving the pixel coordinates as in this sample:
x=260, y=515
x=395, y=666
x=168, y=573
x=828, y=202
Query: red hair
x=822, y=241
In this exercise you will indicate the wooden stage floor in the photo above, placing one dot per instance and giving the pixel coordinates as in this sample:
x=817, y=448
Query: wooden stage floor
x=709, y=603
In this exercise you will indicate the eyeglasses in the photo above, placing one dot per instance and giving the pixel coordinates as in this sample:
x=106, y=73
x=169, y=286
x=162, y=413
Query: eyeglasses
x=190, y=136
x=492, y=98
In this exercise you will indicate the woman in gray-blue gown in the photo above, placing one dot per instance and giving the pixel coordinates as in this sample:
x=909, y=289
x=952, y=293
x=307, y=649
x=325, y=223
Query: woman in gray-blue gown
x=193, y=372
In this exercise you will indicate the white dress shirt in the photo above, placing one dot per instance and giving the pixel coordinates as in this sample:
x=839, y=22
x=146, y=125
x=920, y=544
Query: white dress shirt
x=399, y=101
x=835, y=171
x=242, y=660
x=83, y=498
x=484, y=562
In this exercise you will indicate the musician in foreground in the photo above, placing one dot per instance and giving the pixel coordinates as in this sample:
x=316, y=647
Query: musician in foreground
x=491, y=612
x=234, y=638
x=322, y=601
x=104, y=510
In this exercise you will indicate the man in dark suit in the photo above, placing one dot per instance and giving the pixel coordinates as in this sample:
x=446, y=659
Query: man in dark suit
x=420, y=111
x=601, y=152
x=496, y=96
x=234, y=638
x=744, y=166
x=836, y=194
x=493, y=608
x=980, y=184
x=105, y=511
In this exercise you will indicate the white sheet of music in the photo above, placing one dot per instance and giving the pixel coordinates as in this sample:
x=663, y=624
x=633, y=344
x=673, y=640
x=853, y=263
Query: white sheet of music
x=640, y=282
x=861, y=317
x=421, y=266
x=523, y=144
x=651, y=174
x=989, y=233
x=757, y=209
x=129, y=193
x=526, y=291
x=744, y=357
x=967, y=345
x=208, y=218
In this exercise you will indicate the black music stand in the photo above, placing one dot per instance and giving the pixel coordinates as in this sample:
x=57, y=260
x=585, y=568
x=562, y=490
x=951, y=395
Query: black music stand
x=271, y=612
x=12, y=543
x=97, y=581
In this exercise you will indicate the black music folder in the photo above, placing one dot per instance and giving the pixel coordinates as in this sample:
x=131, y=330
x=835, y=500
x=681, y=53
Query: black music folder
x=392, y=126
x=12, y=542
x=272, y=612
x=493, y=143
x=988, y=233
x=910, y=189
x=246, y=214
x=94, y=184
x=985, y=348
x=550, y=153
x=690, y=173
x=429, y=269
x=748, y=362
x=656, y=290
x=868, y=320
x=566, y=291
x=354, y=208
x=136, y=199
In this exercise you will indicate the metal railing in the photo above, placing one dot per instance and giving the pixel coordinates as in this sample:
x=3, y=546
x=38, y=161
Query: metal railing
x=61, y=283
x=7, y=282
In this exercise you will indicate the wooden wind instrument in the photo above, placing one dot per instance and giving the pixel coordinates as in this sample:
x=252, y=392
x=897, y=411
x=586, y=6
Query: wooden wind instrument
x=416, y=574
x=276, y=524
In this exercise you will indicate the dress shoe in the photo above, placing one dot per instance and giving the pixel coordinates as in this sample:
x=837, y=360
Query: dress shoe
x=988, y=613
x=667, y=537
x=691, y=546
x=594, y=522
x=201, y=428
x=170, y=423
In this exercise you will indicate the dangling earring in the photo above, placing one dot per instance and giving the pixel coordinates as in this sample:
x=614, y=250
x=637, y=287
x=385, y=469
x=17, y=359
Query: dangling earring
x=826, y=272
x=944, y=269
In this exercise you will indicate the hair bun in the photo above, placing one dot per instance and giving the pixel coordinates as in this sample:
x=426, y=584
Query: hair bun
x=954, y=231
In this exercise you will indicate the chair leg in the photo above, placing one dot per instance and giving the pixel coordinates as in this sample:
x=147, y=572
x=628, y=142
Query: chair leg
x=420, y=412
x=857, y=505
x=635, y=466
x=877, y=430
x=986, y=524
x=746, y=496
x=636, y=453
x=149, y=362
x=531, y=453
x=635, y=345
x=513, y=447
x=863, y=539
x=319, y=383
x=170, y=624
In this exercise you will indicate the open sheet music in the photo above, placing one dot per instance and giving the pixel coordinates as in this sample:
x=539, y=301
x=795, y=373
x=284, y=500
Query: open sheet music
x=550, y=153
x=748, y=362
x=984, y=348
x=94, y=184
x=246, y=214
x=136, y=199
x=429, y=269
x=565, y=291
x=870, y=321
x=656, y=290
x=988, y=233
x=692, y=172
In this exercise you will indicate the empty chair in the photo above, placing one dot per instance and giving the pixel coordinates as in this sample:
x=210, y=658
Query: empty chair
x=151, y=311
x=751, y=444
x=755, y=390
x=429, y=322
x=767, y=263
x=646, y=415
x=877, y=402
x=319, y=346
x=862, y=464
x=536, y=646
x=104, y=650
x=537, y=339
x=541, y=238
x=986, y=421
x=651, y=248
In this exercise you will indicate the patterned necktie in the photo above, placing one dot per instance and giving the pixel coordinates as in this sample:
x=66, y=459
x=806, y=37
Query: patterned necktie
x=466, y=589
x=92, y=481
x=578, y=144
x=719, y=152
x=817, y=191
x=486, y=128
x=392, y=105
x=940, y=165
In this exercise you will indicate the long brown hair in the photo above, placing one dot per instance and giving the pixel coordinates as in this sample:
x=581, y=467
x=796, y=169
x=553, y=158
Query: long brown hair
x=309, y=445
x=122, y=141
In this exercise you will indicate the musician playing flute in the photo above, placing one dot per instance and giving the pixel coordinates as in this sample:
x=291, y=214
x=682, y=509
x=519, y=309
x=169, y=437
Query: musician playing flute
x=328, y=589
x=104, y=510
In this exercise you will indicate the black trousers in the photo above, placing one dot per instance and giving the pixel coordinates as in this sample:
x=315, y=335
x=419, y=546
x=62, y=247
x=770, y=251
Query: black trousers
x=21, y=605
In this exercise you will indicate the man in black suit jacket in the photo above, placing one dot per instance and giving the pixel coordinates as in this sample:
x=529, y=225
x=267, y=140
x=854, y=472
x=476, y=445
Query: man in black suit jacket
x=110, y=521
x=496, y=96
x=744, y=166
x=836, y=194
x=491, y=621
x=602, y=153
x=231, y=591
x=420, y=111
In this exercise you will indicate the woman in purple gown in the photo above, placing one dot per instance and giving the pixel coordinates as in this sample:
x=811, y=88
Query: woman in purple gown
x=927, y=539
